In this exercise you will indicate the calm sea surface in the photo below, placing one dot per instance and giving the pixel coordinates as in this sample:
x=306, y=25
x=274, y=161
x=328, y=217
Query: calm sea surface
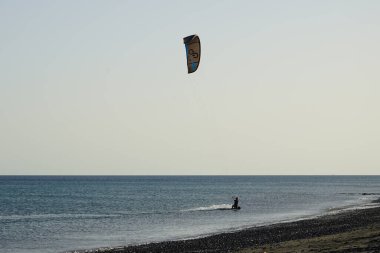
x=57, y=214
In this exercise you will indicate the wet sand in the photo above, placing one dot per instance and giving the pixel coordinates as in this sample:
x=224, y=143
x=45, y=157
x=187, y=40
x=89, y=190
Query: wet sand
x=349, y=231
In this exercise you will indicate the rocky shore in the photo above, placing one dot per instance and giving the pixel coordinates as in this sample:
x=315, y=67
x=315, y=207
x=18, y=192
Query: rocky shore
x=257, y=239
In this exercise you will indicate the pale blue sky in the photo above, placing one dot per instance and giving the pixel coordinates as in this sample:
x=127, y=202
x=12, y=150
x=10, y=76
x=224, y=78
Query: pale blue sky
x=101, y=87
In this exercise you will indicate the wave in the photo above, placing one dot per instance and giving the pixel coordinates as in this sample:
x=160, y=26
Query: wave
x=360, y=193
x=364, y=201
x=209, y=208
x=100, y=216
x=54, y=216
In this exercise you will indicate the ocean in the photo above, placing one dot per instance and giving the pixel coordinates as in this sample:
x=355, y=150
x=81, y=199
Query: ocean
x=63, y=213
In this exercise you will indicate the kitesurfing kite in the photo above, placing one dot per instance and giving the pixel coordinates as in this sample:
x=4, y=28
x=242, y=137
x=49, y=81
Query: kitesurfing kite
x=193, y=52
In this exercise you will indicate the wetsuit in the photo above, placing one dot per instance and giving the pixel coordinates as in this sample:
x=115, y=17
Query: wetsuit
x=236, y=202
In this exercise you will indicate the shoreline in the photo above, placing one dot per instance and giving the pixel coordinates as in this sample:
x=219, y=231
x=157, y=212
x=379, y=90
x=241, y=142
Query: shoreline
x=269, y=236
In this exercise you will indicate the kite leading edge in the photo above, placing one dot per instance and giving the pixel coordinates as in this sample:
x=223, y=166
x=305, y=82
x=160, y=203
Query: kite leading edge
x=193, y=52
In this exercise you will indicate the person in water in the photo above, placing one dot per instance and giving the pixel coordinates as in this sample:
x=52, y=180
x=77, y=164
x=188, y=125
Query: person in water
x=236, y=203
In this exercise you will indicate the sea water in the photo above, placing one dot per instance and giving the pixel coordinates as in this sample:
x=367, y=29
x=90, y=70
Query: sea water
x=62, y=213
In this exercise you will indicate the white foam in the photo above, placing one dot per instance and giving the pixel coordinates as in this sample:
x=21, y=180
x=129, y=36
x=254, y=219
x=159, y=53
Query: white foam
x=210, y=208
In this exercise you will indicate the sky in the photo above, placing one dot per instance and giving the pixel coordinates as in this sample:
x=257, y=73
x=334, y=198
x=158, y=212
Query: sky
x=101, y=88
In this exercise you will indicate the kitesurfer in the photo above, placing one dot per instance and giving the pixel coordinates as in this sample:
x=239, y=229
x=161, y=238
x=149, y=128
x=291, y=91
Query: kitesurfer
x=236, y=203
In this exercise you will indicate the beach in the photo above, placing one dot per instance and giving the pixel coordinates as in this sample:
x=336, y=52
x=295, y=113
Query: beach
x=180, y=214
x=355, y=230
x=189, y=126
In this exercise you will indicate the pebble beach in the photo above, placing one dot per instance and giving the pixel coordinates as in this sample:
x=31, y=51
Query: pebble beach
x=349, y=231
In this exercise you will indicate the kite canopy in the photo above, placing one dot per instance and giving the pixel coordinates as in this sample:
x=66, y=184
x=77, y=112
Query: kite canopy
x=193, y=52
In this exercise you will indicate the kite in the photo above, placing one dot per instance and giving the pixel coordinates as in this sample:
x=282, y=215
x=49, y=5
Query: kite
x=193, y=52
